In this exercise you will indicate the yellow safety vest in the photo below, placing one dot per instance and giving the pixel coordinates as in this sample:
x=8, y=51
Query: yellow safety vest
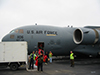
x=32, y=56
x=71, y=56
x=50, y=54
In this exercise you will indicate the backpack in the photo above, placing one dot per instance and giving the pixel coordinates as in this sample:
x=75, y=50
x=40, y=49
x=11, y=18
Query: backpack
x=40, y=59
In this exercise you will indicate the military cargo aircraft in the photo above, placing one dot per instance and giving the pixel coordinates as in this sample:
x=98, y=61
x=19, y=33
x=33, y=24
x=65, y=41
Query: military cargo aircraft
x=60, y=40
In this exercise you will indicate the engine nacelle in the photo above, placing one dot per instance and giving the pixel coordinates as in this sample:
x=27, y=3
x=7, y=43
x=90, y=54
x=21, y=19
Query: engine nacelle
x=86, y=36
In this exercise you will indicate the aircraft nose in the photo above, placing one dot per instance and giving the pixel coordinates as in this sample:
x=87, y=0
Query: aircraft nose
x=6, y=38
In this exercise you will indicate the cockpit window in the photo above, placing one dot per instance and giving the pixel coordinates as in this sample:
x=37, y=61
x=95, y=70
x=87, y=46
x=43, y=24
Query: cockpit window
x=17, y=31
x=21, y=31
x=12, y=31
x=11, y=36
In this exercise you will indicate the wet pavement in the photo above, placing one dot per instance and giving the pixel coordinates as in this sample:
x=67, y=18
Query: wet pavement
x=61, y=67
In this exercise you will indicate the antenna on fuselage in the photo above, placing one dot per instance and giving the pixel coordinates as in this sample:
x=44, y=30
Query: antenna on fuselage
x=35, y=23
x=71, y=26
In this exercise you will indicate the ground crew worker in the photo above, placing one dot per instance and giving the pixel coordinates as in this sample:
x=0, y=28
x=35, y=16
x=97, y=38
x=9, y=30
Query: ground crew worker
x=72, y=58
x=50, y=56
x=31, y=60
x=40, y=62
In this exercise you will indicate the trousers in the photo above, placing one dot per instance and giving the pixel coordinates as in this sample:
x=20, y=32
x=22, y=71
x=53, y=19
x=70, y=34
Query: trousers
x=50, y=59
x=31, y=63
x=40, y=65
x=72, y=62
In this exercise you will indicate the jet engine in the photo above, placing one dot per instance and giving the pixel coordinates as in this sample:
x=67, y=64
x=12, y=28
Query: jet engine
x=86, y=36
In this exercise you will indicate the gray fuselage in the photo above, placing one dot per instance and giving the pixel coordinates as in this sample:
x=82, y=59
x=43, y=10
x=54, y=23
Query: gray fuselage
x=59, y=40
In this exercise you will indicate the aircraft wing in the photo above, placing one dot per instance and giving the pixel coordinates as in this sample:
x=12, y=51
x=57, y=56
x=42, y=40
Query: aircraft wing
x=92, y=27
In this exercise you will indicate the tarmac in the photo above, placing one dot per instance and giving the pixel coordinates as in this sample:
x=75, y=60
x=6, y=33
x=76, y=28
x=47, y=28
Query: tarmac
x=61, y=67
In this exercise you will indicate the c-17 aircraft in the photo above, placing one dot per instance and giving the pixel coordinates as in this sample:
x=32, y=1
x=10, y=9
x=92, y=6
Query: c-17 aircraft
x=60, y=40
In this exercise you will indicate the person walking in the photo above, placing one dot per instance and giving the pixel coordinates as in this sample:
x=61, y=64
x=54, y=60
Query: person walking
x=72, y=58
x=50, y=56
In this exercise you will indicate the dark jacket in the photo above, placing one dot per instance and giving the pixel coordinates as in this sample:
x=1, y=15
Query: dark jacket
x=40, y=59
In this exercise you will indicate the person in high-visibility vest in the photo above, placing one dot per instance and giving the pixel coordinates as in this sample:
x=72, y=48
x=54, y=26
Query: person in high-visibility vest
x=31, y=58
x=72, y=58
x=50, y=56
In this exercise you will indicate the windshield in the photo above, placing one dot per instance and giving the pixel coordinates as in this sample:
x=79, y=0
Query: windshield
x=12, y=31
x=17, y=31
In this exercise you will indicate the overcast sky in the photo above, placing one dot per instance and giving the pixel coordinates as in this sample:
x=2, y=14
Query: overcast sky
x=79, y=13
